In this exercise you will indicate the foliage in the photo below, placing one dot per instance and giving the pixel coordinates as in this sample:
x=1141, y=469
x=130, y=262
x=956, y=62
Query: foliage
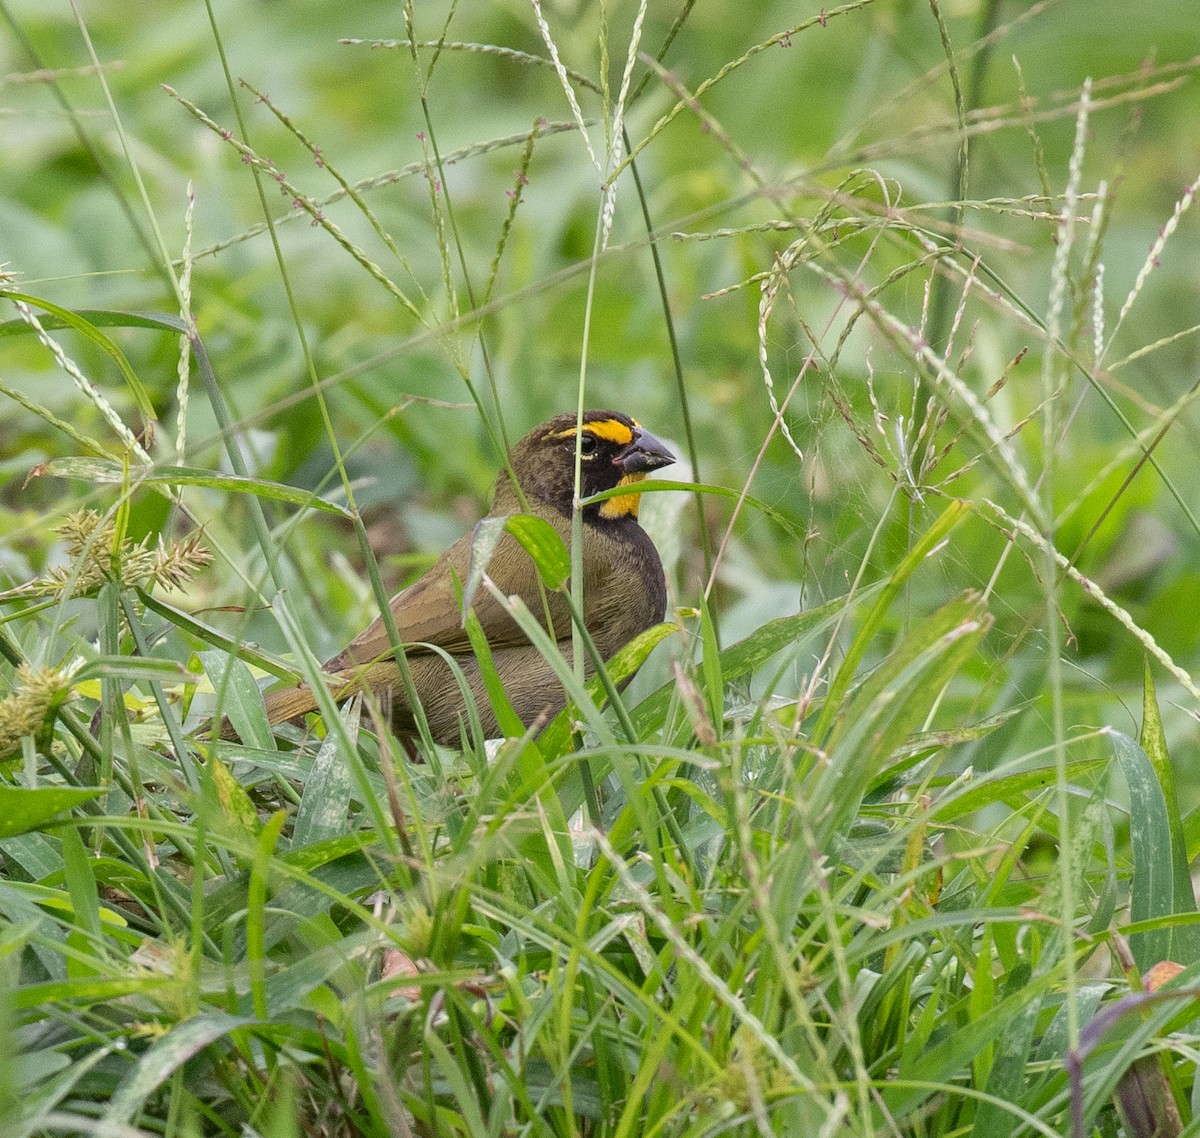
x=887, y=836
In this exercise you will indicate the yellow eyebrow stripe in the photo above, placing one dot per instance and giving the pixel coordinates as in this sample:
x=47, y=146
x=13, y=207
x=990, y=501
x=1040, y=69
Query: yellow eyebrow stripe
x=611, y=430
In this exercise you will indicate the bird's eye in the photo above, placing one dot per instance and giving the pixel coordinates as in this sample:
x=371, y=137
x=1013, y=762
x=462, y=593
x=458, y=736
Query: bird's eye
x=587, y=444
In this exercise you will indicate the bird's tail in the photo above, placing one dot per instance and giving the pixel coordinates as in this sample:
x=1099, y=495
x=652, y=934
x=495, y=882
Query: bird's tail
x=290, y=703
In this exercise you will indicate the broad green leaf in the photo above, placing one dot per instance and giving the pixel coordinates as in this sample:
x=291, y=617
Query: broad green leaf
x=1007, y=1077
x=239, y=698
x=537, y=537
x=55, y=900
x=544, y=544
x=33, y=855
x=1186, y=938
x=1152, y=888
x=28, y=1072
x=484, y=540
x=325, y=804
x=132, y=668
x=235, y=802
x=85, y=933
x=162, y=1058
x=506, y=717
x=24, y=808
x=84, y=990
x=1013, y=789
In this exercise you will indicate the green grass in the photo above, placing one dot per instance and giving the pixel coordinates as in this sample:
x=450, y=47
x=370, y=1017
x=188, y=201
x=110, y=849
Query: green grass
x=896, y=819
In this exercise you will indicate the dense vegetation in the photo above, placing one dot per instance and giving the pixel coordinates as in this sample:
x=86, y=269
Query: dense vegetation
x=890, y=835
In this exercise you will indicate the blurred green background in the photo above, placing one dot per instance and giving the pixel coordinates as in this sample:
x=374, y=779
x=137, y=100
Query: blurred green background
x=857, y=106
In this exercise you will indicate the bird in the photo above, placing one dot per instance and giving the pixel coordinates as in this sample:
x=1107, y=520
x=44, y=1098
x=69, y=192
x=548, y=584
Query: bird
x=624, y=589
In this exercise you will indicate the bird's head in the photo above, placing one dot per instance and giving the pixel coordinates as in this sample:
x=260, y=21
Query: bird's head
x=613, y=451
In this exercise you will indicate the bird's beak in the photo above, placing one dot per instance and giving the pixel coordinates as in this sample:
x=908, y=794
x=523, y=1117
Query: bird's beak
x=643, y=454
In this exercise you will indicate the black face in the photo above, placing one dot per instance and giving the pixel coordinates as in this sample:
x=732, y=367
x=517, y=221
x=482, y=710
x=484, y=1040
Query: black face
x=613, y=451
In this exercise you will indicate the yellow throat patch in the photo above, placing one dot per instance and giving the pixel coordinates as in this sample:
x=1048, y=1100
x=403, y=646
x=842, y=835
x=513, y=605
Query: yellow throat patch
x=623, y=505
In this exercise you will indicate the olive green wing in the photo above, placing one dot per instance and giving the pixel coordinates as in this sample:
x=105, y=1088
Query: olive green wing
x=429, y=611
